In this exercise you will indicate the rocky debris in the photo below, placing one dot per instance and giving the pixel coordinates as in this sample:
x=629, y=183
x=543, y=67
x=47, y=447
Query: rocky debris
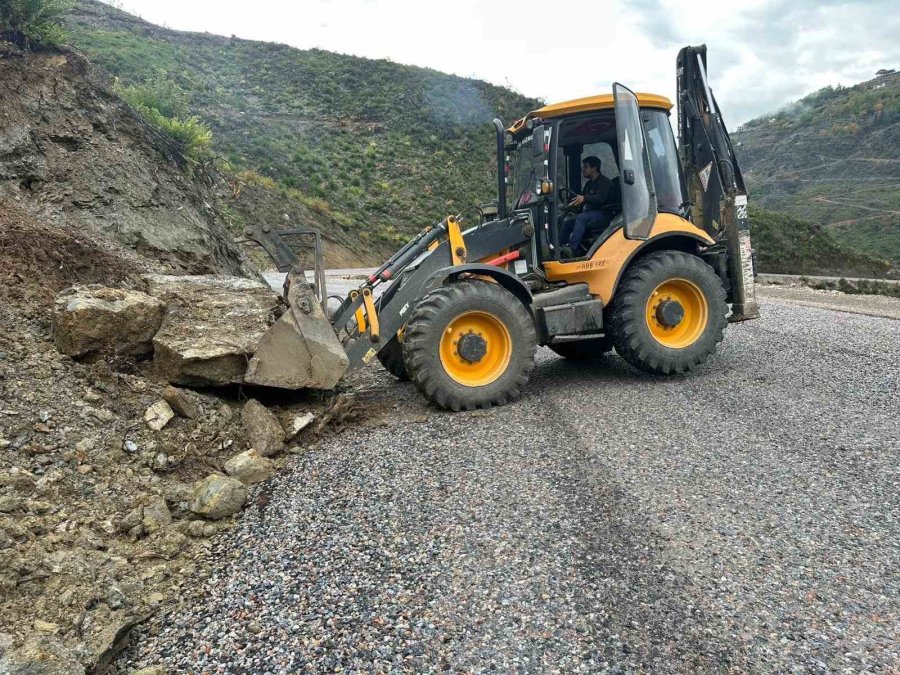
x=92, y=319
x=262, y=428
x=212, y=326
x=158, y=415
x=298, y=424
x=317, y=359
x=40, y=655
x=181, y=402
x=218, y=496
x=250, y=467
x=156, y=516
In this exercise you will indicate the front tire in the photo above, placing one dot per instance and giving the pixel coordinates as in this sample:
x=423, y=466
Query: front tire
x=391, y=357
x=669, y=313
x=469, y=345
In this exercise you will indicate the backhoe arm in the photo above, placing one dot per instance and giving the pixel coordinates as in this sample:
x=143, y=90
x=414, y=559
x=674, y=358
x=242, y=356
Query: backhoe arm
x=717, y=192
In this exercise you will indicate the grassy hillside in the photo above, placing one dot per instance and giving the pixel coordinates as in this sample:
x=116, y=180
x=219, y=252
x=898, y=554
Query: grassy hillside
x=833, y=158
x=788, y=245
x=374, y=149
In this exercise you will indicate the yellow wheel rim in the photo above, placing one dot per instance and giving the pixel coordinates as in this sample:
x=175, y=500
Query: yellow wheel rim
x=695, y=313
x=489, y=348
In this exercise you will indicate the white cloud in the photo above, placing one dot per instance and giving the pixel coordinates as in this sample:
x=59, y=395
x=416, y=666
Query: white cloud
x=762, y=53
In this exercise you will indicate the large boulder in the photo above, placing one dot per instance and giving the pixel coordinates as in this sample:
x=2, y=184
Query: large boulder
x=89, y=319
x=212, y=326
x=218, y=497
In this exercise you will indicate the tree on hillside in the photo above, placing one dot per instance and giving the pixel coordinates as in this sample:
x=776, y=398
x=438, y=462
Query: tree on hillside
x=33, y=24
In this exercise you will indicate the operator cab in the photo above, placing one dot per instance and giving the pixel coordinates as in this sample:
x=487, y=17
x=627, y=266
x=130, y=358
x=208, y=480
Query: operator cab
x=633, y=139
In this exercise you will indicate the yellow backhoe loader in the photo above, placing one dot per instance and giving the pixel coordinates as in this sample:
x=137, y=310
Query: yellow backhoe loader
x=461, y=309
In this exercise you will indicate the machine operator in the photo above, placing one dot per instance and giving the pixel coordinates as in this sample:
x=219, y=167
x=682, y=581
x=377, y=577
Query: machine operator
x=595, y=196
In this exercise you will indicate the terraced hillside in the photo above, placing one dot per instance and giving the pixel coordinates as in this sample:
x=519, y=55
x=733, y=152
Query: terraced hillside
x=833, y=158
x=373, y=150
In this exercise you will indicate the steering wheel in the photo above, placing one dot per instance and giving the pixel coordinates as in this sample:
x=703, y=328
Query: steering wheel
x=566, y=195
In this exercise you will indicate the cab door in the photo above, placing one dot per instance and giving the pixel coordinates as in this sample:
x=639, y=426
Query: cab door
x=635, y=179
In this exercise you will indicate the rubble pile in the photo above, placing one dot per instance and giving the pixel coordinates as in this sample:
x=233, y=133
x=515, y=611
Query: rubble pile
x=111, y=481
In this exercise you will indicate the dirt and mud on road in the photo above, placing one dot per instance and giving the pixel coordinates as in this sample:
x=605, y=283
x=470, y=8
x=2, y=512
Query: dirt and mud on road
x=743, y=518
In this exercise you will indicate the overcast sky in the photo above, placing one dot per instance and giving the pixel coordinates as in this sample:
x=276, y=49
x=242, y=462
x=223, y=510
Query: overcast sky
x=762, y=53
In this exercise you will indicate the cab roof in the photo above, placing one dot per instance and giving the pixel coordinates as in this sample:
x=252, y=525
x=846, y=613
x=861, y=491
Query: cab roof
x=588, y=104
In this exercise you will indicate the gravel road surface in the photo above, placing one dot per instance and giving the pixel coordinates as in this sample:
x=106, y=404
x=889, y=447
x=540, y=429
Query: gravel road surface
x=743, y=518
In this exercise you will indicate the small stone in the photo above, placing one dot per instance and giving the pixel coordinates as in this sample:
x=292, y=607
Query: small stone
x=158, y=415
x=84, y=446
x=218, y=496
x=45, y=626
x=155, y=599
x=181, y=403
x=130, y=446
x=103, y=414
x=152, y=670
x=8, y=504
x=134, y=519
x=5, y=540
x=39, y=507
x=249, y=467
x=171, y=543
x=156, y=515
x=84, y=469
x=262, y=428
x=92, y=396
x=42, y=428
x=225, y=412
x=298, y=424
x=115, y=598
x=200, y=528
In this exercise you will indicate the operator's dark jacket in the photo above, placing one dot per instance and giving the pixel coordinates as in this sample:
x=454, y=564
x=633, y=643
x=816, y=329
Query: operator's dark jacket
x=597, y=193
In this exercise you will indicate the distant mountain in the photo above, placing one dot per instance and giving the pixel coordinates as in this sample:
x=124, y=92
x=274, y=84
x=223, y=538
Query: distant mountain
x=370, y=151
x=832, y=158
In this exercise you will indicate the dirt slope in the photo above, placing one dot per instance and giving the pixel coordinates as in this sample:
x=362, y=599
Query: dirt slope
x=73, y=156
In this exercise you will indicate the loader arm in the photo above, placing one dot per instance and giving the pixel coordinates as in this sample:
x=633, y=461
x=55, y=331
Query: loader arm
x=717, y=192
x=417, y=269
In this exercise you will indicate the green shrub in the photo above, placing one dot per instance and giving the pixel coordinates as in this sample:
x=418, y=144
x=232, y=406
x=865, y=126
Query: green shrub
x=160, y=93
x=33, y=23
x=164, y=105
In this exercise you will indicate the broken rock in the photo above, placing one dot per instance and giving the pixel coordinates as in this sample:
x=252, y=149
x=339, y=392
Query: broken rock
x=211, y=328
x=93, y=319
x=264, y=432
x=156, y=515
x=218, y=496
x=180, y=401
x=158, y=415
x=298, y=424
x=249, y=467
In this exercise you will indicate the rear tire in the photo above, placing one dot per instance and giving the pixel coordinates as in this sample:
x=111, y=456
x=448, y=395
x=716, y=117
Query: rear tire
x=638, y=333
x=583, y=350
x=391, y=357
x=493, y=326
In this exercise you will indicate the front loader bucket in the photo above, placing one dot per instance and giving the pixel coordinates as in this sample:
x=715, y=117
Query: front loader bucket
x=300, y=349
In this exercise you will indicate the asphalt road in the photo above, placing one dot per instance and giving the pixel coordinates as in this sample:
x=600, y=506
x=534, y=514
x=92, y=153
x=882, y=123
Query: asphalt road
x=742, y=518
